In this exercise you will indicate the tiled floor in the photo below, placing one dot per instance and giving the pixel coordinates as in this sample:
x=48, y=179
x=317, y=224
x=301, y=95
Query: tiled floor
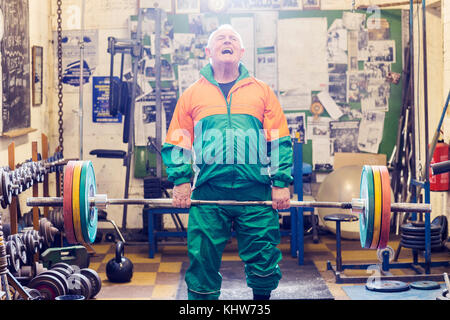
x=159, y=278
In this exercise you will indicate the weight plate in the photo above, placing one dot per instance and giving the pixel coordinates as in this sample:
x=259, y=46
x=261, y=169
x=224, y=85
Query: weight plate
x=366, y=218
x=421, y=234
x=416, y=237
x=67, y=203
x=58, y=275
x=386, y=207
x=421, y=242
x=418, y=247
x=3, y=194
x=7, y=192
x=387, y=286
x=66, y=273
x=94, y=278
x=425, y=285
x=378, y=207
x=48, y=286
x=76, y=202
x=408, y=227
x=79, y=284
x=14, y=260
x=63, y=265
x=35, y=294
x=88, y=214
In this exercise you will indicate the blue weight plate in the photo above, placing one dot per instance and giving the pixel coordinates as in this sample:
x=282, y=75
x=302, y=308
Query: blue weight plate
x=425, y=285
x=387, y=286
x=88, y=214
x=366, y=193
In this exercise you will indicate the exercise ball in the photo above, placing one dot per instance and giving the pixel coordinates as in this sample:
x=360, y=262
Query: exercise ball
x=341, y=185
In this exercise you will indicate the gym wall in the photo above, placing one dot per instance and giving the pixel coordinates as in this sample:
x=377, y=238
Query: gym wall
x=110, y=18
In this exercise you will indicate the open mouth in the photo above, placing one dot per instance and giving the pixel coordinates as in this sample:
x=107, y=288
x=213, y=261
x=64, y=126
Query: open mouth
x=227, y=51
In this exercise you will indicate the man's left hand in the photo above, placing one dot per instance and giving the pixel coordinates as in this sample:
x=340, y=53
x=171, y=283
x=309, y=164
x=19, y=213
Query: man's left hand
x=281, y=198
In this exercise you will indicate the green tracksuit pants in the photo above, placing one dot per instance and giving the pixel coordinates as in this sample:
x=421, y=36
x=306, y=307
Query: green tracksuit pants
x=209, y=229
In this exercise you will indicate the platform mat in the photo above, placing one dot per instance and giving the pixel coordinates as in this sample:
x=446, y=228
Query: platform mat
x=359, y=292
x=298, y=282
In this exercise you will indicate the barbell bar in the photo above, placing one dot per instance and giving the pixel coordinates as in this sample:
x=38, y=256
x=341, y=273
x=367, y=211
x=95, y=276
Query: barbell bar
x=81, y=202
x=101, y=201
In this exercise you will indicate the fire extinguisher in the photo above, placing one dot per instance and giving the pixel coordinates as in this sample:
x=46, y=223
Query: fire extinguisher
x=440, y=182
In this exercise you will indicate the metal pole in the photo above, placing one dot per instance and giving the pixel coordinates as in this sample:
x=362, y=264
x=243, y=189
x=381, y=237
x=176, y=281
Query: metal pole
x=158, y=105
x=427, y=157
x=167, y=203
x=80, y=109
x=136, y=56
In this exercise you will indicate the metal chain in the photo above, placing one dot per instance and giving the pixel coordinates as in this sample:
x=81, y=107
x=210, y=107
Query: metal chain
x=60, y=178
x=60, y=86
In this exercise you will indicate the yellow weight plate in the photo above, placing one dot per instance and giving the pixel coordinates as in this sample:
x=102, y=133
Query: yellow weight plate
x=378, y=207
x=76, y=201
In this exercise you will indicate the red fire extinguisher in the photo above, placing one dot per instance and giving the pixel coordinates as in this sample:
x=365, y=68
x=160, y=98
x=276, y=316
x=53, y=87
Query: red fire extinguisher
x=440, y=182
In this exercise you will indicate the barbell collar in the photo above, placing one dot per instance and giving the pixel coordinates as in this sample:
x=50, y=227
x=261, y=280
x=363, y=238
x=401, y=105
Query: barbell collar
x=102, y=201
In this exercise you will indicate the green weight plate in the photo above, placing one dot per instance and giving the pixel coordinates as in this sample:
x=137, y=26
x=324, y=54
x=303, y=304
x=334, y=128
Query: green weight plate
x=425, y=285
x=88, y=214
x=366, y=193
x=387, y=286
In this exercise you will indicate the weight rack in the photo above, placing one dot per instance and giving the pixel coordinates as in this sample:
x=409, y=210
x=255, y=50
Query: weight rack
x=15, y=179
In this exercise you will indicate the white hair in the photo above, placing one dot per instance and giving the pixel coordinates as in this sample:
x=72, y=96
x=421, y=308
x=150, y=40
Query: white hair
x=224, y=27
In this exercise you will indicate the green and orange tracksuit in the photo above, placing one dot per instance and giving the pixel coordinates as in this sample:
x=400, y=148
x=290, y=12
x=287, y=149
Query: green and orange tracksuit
x=238, y=146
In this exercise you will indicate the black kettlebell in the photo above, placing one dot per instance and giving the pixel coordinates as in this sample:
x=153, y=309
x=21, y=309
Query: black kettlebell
x=120, y=268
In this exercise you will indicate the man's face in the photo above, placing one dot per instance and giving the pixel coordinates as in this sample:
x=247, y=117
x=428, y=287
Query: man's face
x=225, y=48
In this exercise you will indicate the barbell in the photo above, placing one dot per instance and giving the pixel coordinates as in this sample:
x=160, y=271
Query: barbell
x=80, y=203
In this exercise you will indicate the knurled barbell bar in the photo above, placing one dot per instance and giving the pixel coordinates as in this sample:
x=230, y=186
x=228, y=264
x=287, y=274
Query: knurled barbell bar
x=80, y=203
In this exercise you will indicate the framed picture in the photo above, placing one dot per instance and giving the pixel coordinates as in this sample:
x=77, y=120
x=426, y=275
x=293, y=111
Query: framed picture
x=311, y=4
x=187, y=6
x=36, y=83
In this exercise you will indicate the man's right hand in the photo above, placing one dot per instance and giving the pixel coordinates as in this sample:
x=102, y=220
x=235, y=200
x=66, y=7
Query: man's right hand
x=182, y=195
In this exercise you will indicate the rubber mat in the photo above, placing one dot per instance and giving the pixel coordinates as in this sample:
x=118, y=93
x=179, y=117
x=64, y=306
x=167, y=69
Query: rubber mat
x=298, y=282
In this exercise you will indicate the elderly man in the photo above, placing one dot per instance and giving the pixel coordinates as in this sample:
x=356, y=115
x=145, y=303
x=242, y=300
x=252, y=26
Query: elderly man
x=230, y=128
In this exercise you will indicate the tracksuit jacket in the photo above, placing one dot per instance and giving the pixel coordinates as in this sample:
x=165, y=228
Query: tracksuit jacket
x=236, y=140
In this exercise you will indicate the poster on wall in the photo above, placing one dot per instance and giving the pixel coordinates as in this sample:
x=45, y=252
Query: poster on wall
x=71, y=57
x=344, y=136
x=302, y=42
x=100, y=101
x=245, y=27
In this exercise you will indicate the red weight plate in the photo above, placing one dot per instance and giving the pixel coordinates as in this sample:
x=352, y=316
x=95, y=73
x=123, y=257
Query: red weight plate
x=67, y=203
x=386, y=212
